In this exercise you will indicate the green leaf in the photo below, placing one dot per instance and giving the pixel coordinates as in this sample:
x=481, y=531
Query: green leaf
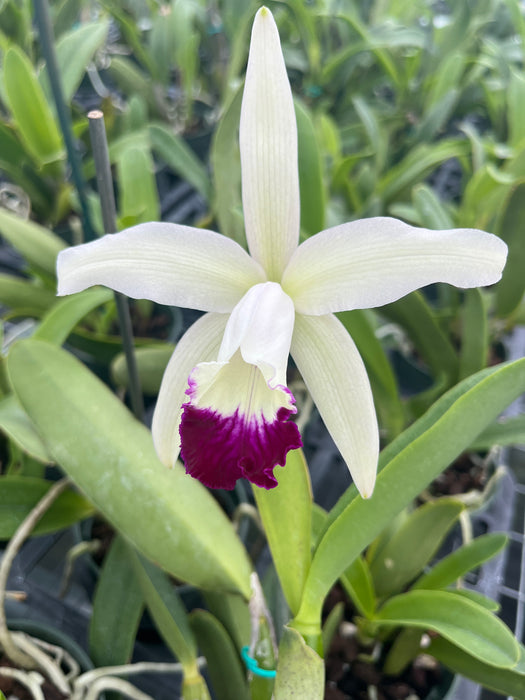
x=407, y=465
x=74, y=52
x=475, y=597
x=506, y=681
x=228, y=678
x=68, y=312
x=167, y=610
x=357, y=582
x=474, y=334
x=168, y=516
x=24, y=297
x=516, y=107
x=174, y=151
x=118, y=604
x=151, y=363
x=332, y=622
x=432, y=212
x=461, y=561
x=286, y=515
x=15, y=423
x=464, y=623
x=507, y=431
x=138, y=200
x=413, y=545
x=300, y=671
x=233, y=614
x=31, y=113
x=511, y=287
x=226, y=169
x=20, y=494
x=36, y=244
x=310, y=173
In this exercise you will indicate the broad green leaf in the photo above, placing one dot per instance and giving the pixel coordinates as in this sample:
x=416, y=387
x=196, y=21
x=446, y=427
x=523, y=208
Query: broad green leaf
x=507, y=431
x=36, y=244
x=151, y=363
x=67, y=312
x=227, y=675
x=20, y=494
x=168, y=516
x=134, y=81
x=413, y=545
x=174, y=151
x=407, y=465
x=506, y=681
x=511, y=287
x=464, y=623
x=233, y=614
x=31, y=113
x=138, y=198
x=474, y=334
x=15, y=423
x=167, y=610
x=357, y=582
x=455, y=565
x=75, y=50
x=286, y=516
x=226, y=169
x=118, y=604
x=300, y=671
x=475, y=597
x=24, y=297
x=310, y=173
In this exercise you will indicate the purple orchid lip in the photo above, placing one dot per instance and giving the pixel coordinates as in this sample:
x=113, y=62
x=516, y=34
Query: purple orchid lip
x=219, y=449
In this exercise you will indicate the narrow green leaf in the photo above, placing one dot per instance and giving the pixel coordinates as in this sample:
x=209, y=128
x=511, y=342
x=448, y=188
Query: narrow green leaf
x=287, y=519
x=478, y=598
x=67, y=312
x=15, y=423
x=474, y=334
x=75, y=50
x=507, y=431
x=20, y=494
x=233, y=614
x=227, y=675
x=226, y=169
x=310, y=173
x=166, y=609
x=413, y=545
x=174, y=151
x=332, y=622
x=138, y=200
x=31, y=113
x=431, y=210
x=167, y=515
x=464, y=623
x=134, y=81
x=117, y=608
x=357, y=582
x=37, y=244
x=300, y=671
x=506, y=681
x=455, y=565
x=24, y=297
x=151, y=363
x=516, y=107
x=511, y=287
x=407, y=465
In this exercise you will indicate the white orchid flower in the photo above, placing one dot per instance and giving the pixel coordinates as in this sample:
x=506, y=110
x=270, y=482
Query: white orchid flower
x=223, y=403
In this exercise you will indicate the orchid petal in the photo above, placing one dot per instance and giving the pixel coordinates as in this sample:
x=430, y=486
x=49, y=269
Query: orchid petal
x=268, y=144
x=235, y=425
x=262, y=325
x=372, y=262
x=199, y=344
x=167, y=263
x=336, y=377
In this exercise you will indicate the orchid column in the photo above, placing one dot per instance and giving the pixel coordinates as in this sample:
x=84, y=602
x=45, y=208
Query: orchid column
x=223, y=404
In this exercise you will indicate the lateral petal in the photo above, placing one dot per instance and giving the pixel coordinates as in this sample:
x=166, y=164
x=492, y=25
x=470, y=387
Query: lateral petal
x=200, y=343
x=372, y=262
x=336, y=377
x=268, y=144
x=167, y=263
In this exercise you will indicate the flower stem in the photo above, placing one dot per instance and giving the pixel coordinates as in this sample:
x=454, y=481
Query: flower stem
x=97, y=132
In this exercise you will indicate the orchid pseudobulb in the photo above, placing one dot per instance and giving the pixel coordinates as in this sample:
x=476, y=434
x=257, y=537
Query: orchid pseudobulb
x=224, y=404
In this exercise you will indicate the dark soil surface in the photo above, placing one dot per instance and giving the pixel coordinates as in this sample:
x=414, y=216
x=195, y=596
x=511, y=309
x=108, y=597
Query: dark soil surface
x=13, y=689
